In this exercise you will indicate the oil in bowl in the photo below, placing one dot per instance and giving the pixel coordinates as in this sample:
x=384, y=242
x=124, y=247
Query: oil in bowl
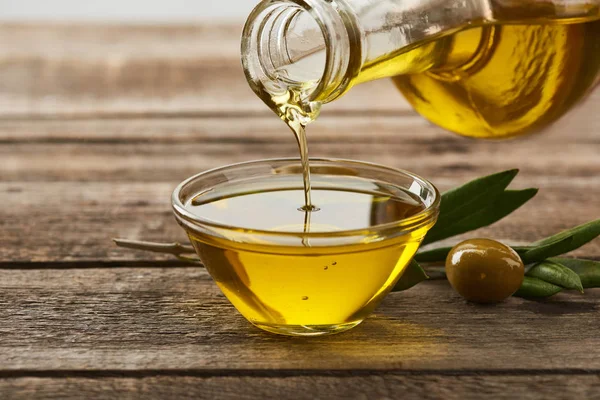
x=297, y=271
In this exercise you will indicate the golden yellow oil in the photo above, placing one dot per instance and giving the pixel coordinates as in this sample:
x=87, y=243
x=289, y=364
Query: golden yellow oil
x=498, y=81
x=287, y=283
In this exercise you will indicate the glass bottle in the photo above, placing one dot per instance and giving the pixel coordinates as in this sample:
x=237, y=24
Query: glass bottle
x=488, y=69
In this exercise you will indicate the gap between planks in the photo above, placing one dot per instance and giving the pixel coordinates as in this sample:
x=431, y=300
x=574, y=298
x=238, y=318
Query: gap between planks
x=190, y=115
x=96, y=264
x=111, y=264
x=376, y=386
x=286, y=373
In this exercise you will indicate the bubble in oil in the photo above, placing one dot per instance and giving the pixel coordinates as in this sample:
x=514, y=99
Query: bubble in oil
x=309, y=208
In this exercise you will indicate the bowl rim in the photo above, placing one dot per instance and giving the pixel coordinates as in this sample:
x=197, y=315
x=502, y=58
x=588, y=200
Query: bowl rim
x=408, y=224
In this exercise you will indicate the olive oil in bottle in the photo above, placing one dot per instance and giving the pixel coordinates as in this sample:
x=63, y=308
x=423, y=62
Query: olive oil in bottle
x=479, y=69
x=498, y=81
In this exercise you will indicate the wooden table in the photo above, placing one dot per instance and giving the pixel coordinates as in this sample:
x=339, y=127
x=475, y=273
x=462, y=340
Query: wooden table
x=97, y=126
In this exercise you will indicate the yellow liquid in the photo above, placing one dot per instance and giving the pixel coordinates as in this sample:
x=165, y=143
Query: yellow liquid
x=291, y=285
x=291, y=111
x=498, y=81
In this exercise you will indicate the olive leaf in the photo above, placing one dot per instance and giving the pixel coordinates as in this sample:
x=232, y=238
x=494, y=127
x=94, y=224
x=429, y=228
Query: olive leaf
x=460, y=203
x=581, y=235
x=557, y=274
x=435, y=272
x=587, y=270
x=532, y=288
x=552, y=246
x=550, y=249
x=561, y=243
x=412, y=275
x=503, y=204
x=433, y=255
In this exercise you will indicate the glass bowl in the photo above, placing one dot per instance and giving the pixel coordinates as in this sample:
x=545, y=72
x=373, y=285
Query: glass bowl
x=294, y=282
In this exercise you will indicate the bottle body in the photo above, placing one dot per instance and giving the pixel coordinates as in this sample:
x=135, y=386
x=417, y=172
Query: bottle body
x=480, y=69
x=519, y=79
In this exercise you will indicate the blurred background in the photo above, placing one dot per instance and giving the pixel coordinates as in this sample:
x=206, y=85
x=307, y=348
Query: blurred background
x=127, y=10
x=106, y=105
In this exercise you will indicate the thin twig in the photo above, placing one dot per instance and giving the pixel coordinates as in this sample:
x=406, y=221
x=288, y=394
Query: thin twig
x=174, y=248
x=435, y=272
x=190, y=259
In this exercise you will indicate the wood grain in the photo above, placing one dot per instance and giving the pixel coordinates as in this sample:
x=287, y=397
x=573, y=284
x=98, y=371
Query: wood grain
x=155, y=319
x=385, y=386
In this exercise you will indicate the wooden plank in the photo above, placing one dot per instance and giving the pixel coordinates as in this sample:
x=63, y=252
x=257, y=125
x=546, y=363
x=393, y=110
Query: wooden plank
x=581, y=124
x=75, y=221
x=175, y=319
x=93, y=69
x=441, y=162
x=306, y=387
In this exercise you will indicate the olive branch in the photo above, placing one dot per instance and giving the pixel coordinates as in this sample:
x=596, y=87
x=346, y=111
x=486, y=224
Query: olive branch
x=476, y=204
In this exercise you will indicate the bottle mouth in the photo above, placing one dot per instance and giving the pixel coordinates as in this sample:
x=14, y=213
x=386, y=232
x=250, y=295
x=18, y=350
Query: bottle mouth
x=303, y=45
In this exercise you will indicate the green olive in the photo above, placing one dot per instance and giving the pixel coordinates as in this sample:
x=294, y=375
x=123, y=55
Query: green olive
x=484, y=270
